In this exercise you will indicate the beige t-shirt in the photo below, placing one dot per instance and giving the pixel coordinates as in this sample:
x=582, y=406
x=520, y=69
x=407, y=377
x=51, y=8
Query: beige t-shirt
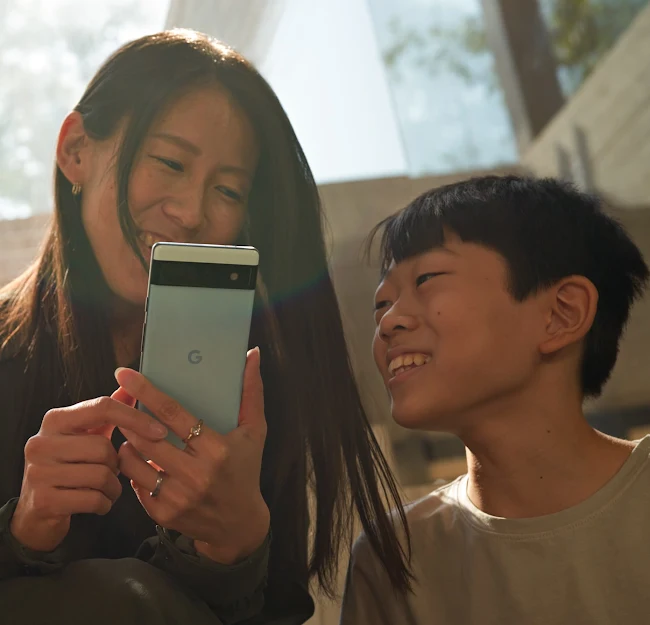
x=587, y=565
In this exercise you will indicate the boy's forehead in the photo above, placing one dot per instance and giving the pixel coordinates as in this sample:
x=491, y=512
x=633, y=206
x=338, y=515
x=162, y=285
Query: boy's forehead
x=449, y=249
x=472, y=260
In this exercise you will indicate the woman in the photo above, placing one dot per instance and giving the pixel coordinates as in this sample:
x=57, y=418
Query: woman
x=178, y=138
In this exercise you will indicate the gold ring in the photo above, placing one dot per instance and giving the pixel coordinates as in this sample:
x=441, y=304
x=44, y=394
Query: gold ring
x=194, y=432
x=156, y=491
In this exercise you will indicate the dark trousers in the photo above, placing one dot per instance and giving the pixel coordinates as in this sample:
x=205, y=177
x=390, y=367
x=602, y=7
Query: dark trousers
x=101, y=592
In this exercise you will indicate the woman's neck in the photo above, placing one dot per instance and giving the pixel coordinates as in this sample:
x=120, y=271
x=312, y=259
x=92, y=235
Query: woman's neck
x=126, y=331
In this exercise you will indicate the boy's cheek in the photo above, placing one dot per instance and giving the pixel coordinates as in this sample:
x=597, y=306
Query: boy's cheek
x=379, y=356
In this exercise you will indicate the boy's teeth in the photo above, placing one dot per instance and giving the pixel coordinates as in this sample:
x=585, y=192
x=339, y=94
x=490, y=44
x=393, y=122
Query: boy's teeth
x=407, y=360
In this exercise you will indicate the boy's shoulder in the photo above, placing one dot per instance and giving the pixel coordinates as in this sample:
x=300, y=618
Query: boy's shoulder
x=434, y=503
x=424, y=515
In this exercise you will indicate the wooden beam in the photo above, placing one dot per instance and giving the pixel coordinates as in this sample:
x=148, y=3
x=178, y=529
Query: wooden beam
x=527, y=71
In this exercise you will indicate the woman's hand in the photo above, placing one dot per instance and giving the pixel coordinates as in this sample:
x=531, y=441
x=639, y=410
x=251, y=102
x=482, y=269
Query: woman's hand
x=211, y=490
x=71, y=467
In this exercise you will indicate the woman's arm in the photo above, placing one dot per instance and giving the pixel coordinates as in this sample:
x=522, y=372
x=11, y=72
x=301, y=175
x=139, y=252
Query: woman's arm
x=16, y=560
x=234, y=592
x=238, y=593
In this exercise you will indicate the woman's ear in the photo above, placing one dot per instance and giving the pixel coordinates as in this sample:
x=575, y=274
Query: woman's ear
x=73, y=149
x=572, y=308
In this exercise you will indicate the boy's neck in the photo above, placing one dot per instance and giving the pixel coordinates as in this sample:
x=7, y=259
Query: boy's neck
x=539, y=460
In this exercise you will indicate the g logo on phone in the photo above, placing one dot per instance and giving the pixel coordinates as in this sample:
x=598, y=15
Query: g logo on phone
x=194, y=357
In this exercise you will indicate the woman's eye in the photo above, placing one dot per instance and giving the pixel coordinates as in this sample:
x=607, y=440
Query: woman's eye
x=381, y=305
x=230, y=193
x=175, y=165
x=425, y=277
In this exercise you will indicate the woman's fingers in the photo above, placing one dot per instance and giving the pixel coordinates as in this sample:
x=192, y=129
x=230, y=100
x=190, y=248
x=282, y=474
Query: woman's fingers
x=136, y=469
x=95, y=413
x=169, y=411
x=123, y=397
x=61, y=502
x=89, y=449
x=78, y=476
x=252, y=422
x=163, y=454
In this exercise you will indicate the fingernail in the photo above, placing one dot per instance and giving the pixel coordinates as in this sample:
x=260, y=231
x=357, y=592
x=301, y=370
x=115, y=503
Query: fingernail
x=126, y=375
x=117, y=372
x=158, y=429
x=259, y=354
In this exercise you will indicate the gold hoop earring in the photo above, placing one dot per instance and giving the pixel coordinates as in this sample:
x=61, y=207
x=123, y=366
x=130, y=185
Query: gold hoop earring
x=76, y=188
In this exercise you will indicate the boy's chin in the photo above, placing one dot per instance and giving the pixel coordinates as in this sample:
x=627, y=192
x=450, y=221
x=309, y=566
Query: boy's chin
x=419, y=417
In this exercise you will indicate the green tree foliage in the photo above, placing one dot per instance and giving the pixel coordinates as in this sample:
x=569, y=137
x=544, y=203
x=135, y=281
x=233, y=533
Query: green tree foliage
x=581, y=32
x=50, y=49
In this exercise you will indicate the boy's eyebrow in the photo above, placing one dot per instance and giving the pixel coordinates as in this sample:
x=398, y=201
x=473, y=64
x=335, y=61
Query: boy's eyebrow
x=443, y=249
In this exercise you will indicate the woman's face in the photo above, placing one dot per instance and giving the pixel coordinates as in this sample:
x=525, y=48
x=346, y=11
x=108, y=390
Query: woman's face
x=190, y=184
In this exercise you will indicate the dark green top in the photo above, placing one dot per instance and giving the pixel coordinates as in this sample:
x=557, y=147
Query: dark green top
x=235, y=594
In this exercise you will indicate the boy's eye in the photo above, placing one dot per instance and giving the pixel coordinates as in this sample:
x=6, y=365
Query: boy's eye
x=421, y=279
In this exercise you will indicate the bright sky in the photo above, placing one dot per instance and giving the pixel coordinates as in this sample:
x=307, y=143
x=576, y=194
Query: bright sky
x=325, y=66
x=353, y=119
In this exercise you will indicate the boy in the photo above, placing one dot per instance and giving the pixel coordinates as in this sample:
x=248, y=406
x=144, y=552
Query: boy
x=500, y=309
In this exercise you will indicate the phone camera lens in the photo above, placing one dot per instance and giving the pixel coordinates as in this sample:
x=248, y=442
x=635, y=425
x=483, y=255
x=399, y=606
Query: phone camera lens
x=234, y=276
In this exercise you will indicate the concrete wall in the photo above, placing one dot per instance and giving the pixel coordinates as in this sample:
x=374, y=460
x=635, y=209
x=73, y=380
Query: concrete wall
x=19, y=243
x=630, y=382
x=612, y=111
x=601, y=138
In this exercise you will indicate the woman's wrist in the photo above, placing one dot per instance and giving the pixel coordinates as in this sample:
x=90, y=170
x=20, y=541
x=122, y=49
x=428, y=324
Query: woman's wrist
x=42, y=535
x=233, y=552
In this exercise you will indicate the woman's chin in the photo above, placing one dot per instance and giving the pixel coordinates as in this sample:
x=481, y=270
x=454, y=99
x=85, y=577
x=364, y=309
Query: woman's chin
x=132, y=294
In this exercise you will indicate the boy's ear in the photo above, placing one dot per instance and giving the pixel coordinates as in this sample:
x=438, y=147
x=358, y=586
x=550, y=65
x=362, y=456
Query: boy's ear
x=572, y=305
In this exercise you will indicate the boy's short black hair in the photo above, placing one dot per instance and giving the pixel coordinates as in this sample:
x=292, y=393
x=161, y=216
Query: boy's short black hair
x=546, y=230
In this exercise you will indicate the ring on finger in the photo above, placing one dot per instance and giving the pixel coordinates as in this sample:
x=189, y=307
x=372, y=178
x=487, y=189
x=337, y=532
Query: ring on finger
x=195, y=432
x=159, y=480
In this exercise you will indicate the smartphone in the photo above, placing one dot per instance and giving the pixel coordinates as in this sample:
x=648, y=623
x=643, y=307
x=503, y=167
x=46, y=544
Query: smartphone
x=197, y=325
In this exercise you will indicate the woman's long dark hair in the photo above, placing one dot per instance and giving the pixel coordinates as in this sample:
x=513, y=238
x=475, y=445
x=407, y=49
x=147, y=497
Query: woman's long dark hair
x=318, y=433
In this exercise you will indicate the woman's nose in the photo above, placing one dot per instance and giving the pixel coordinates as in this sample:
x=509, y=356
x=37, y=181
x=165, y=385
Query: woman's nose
x=187, y=210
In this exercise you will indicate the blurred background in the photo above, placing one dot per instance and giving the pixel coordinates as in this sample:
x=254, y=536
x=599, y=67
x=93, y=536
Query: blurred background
x=388, y=98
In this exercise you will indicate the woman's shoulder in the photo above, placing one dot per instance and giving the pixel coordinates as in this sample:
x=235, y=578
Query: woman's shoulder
x=13, y=348
x=13, y=366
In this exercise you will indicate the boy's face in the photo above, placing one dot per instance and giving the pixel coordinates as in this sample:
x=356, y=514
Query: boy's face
x=450, y=338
